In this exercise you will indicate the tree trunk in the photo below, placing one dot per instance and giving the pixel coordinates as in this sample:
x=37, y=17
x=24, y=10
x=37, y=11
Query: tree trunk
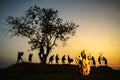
x=44, y=60
x=42, y=55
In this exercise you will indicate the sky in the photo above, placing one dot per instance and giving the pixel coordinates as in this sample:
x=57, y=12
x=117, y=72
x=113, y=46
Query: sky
x=98, y=32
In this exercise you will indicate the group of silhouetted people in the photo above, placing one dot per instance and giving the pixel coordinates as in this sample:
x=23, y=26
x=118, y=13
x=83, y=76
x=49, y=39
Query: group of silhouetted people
x=101, y=59
x=62, y=59
x=83, y=62
x=19, y=58
x=92, y=59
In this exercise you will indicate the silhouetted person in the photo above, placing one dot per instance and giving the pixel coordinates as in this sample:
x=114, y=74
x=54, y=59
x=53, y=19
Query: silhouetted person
x=20, y=54
x=93, y=60
x=102, y=59
x=105, y=61
x=78, y=61
x=30, y=58
x=63, y=59
x=57, y=58
x=51, y=59
x=83, y=55
x=99, y=60
x=69, y=59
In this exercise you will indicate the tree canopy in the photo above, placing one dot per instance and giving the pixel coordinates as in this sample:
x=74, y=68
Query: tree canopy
x=43, y=27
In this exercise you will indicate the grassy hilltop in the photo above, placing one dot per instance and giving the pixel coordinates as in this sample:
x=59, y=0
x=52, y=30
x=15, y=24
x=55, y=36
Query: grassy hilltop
x=36, y=71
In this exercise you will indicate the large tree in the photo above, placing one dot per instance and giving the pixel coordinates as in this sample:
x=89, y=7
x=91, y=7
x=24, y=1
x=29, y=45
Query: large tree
x=43, y=28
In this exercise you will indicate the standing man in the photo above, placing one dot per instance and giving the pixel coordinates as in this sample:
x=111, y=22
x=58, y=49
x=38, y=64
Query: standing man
x=56, y=58
x=30, y=58
x=51, y=59
x=20, y=54
x=63, y=59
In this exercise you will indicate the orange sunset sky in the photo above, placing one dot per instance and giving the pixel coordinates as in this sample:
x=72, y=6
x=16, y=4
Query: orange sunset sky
x=98, y=32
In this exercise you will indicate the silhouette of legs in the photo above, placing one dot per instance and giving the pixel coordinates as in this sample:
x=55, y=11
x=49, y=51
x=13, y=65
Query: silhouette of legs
x=94, y=63
x=63, y=59
x=105, y=61
x=51, y=59
x=56, y=58
x=69, y=59
x=30, y=58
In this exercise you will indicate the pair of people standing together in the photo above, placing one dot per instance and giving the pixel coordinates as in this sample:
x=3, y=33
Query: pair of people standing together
x=19, y=58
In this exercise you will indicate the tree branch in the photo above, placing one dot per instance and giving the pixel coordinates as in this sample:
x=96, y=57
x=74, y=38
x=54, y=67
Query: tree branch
x=54, y=41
